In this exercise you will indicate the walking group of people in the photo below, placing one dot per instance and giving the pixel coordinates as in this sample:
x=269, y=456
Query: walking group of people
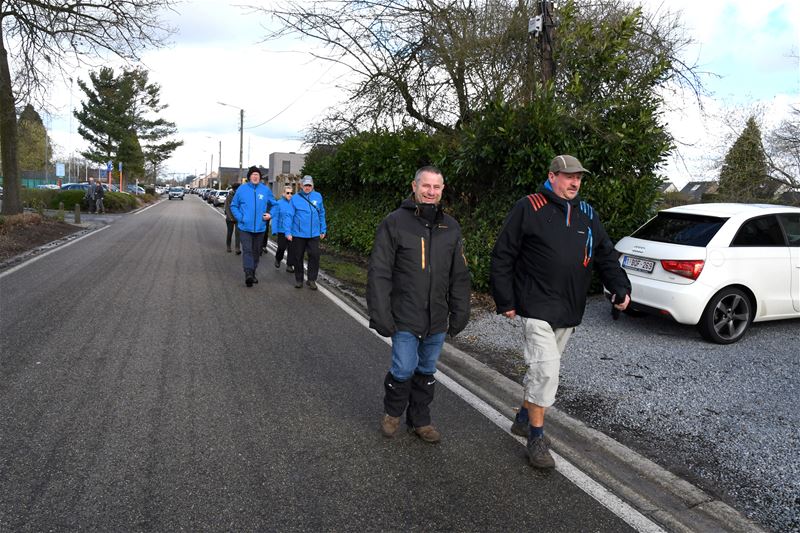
x=298, y=222
x=94, y=197
x=418, y=291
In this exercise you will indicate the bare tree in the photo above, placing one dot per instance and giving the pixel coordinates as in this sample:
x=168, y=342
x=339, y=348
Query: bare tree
x=38, y=36
x=783, y=150
x=436, y=63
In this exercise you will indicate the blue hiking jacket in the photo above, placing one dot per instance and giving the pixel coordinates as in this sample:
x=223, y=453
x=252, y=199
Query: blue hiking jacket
x=306, y=216
x=280, y=214
x=248, y=205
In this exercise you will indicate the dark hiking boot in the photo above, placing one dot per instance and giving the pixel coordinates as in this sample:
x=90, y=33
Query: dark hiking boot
x=428, y=434
x=539, y=453
x=520, y=428
x=389, y=425
x=290, y=269
x=312, y=285
x=229, y=249
x=248, y=278
x=277, y=264
x=238, y=252
x=255, y=279
x=298, y=285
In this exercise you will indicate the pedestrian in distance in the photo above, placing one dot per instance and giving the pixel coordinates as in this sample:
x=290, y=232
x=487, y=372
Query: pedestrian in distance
x=304, y=226
x=541, y=269
x=279, y=215
x=418, y=290
x=230, y=222
x=250, y=207
x=99, y=194
x=89, y=196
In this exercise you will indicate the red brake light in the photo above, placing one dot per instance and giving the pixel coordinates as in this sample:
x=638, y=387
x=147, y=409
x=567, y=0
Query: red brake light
x=688, y=269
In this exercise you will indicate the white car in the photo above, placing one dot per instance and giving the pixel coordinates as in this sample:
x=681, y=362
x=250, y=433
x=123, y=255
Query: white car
x=176, y=192
x=219, y=198
x=717, y=266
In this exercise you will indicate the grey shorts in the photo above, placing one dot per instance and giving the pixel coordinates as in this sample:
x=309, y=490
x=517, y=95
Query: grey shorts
x=543, y=349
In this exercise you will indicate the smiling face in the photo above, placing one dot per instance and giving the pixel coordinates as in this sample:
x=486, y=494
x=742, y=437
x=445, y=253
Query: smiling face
x=428, y=188
x=565, y=185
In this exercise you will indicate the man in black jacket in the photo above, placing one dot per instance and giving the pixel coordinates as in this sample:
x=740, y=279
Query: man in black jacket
x=541, y=270
x=418, y=290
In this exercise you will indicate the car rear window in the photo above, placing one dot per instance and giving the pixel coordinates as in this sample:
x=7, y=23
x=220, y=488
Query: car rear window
x=680, y=228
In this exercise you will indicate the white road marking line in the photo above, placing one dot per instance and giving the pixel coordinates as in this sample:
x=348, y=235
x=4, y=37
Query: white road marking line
x=607, y=499
x=60, y=247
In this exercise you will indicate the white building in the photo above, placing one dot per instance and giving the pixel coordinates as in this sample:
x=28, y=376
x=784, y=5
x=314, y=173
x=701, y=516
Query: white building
x=284, y=168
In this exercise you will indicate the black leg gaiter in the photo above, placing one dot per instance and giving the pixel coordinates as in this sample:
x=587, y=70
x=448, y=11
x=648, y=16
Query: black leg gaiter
x=422, y=390
x=396, y=397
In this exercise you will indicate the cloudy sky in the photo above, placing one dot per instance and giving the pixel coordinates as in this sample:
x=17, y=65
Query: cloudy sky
x=217, y=56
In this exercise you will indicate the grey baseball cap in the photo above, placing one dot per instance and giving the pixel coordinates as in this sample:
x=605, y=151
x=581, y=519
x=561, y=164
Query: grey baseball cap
x=307, y=180
x=567, y=164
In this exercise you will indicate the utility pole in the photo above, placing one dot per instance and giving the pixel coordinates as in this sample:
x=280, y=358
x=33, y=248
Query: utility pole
x=241, y=141
x=219, y=172
x=545, y=11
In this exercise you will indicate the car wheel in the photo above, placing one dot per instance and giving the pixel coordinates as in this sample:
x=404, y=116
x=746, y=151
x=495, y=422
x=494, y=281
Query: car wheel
x=726, y=317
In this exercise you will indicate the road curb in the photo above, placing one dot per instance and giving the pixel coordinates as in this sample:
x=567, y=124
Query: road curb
x=670, y=501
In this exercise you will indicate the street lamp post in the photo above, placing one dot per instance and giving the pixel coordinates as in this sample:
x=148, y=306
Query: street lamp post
x=241, y=135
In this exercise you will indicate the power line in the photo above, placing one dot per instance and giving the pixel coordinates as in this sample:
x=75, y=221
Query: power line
x=294, y=101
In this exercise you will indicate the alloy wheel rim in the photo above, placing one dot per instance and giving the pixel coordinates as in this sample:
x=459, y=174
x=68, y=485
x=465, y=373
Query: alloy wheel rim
x=731, y=316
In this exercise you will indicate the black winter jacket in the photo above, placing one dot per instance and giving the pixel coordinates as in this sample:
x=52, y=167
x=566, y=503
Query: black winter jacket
x=418, y=279
x=542, y=260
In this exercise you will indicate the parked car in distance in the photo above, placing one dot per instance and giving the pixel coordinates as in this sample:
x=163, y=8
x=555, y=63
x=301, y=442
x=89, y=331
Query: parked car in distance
x=219, y=198
x=176, y=192
x=134, y=189
x=719, y=267
x=75, y=186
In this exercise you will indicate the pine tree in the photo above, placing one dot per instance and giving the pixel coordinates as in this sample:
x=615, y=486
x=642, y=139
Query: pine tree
x=744, y=175
x=32, y=151
x=117, y=120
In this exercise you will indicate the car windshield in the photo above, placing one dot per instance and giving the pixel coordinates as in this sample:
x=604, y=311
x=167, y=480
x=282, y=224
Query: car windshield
x=176, y=190
x=680, y=228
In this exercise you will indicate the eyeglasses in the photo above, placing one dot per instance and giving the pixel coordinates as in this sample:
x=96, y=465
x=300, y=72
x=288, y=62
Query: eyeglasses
x=287, y=193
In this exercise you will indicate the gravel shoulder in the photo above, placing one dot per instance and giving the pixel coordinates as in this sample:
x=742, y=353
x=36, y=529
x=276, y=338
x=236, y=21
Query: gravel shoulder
x=725, y=418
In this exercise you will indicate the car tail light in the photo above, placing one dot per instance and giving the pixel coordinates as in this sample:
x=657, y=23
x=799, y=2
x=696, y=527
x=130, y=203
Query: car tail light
x=687, y=269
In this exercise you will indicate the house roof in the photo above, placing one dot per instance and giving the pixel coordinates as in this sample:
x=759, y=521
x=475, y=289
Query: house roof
x=694, y=190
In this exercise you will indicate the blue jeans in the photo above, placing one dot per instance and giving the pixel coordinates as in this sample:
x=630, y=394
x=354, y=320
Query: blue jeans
x=411, y=354
x=251, y=249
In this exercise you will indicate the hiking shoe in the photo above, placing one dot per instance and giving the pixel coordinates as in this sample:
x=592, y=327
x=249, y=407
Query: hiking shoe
x=312, y=285
x=277, y=264
x=520, y=428
x=539, y=453
x=238, y=252
x=255, y=279
x=229, y=249
x=298, y=285
x=248, y=280
x=428, y=434
x=389, y=425
x=290, y=269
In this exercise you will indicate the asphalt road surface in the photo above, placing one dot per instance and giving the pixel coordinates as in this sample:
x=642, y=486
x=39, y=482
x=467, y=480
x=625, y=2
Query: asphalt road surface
x=144, y=387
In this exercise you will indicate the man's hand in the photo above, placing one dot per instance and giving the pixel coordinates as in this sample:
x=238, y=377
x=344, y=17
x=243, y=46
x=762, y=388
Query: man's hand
x=322, y=236
x=510, y=314
x=266, y=216
x=289, y=238
x=624, y=304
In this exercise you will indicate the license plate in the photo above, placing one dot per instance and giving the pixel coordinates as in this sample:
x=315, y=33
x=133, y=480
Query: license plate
x=634, y=263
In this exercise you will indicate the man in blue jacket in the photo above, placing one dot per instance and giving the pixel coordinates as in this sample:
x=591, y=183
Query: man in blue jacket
x=304, y=227
x=250, y=207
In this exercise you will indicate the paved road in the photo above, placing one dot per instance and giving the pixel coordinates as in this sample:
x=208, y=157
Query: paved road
x=143, y=387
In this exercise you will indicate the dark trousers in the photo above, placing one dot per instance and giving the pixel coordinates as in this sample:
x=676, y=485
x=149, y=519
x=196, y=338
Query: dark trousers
x=251, y=249
x=284, y=245
x=232, y=229
x=300, y=246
